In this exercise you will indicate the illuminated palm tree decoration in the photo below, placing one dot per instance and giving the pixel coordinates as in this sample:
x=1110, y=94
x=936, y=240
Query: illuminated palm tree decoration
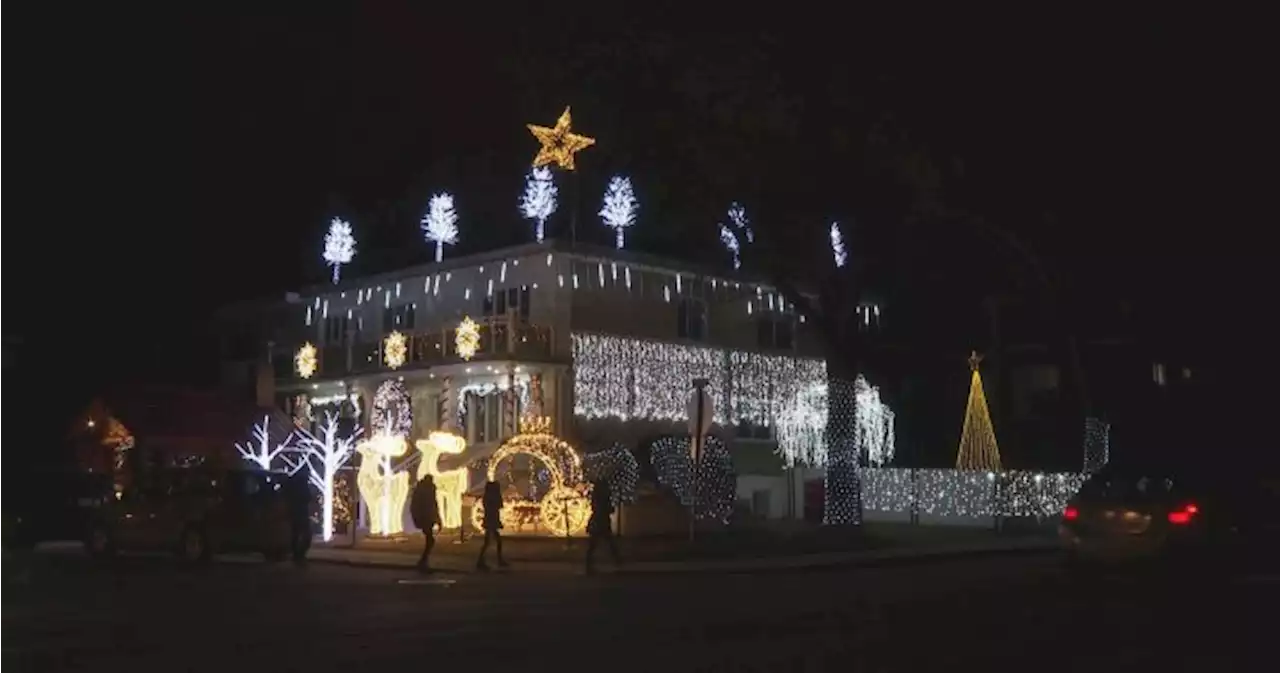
x=440, y=224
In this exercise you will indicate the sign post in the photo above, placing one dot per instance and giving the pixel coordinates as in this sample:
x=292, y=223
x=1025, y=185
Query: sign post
x=701, y=412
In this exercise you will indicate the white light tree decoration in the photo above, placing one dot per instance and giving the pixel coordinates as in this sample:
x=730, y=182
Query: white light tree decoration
x=322, y=457
x=873, y=422
x=339, y=246
x=440, y=224
x=620, y=206
x=837, y=246
x=258, y=451
x=729, y=232
x=539, y=200
x=801, y=426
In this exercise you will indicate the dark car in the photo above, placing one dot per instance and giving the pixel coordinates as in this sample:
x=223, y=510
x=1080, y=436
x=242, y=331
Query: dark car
x=197, y=512
x=50, y=505
x=1198, y=515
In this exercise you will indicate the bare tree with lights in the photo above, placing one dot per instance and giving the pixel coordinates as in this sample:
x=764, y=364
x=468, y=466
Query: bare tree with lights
x=259, y=450
x=322, y=457
x=620, y=206
x=440, y=224
x=538, y=203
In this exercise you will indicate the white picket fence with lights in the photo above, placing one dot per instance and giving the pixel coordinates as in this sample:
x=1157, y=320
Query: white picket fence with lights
x=964, y=496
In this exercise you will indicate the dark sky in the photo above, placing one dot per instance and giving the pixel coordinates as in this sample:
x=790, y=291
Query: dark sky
x=170, y=163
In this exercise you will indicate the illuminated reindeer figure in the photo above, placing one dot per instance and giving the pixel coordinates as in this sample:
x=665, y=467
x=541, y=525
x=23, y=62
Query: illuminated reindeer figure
x=384, y=492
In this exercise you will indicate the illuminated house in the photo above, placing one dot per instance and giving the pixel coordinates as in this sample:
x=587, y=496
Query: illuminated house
x=609, y=340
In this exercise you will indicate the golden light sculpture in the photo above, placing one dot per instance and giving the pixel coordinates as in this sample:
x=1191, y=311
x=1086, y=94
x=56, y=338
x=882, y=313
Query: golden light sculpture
x=450, y=484
x=978, y=448
x=466, y=340
x=305, y=361
x=395, y=350
x=559, y=143
x=384, y=492
x=565, y=508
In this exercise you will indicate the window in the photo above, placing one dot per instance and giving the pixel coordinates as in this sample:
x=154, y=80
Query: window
x=484, y=417
x=511, y=300
x=775, y=333
x=401, y=317
x=335, y=330
x=692, y=319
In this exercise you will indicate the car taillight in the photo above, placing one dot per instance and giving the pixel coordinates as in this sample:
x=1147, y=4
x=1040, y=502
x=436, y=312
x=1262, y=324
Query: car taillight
x=1070, y=513
x=1183, y=516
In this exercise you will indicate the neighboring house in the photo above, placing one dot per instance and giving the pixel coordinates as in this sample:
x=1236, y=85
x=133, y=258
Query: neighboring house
x=139, y=427
x=605, y=343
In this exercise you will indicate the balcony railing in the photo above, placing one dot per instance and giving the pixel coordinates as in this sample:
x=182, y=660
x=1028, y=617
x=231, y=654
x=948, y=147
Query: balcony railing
x=501, y=338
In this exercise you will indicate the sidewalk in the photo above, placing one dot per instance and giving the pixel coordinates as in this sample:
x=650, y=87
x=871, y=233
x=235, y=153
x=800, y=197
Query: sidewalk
x=455, y=563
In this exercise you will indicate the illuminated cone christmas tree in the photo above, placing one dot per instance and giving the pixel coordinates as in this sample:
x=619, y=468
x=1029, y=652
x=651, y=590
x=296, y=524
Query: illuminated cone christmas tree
x=978, y=449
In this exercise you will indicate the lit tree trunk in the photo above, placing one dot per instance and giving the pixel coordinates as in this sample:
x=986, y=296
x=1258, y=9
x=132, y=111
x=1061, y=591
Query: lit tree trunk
x=326, y=509
x=843, y=498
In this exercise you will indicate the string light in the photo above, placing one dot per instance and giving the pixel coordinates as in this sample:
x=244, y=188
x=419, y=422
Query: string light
x=305, y=362
x=440, y=224
x=968, y=493
x=1097, y=444
x=395, y=349
x=978, y=448
x=712, y=491
x=450, y=484
x=323, y=456
x=559, y=144
x=619, y=467
x=466, y=340
x=566, y=478
x=383, y=490
x=619, y=209
x=539, y=200
x=392, y=410
x=843, y=481
x=339, y=246
x=837, y=245
x=259, y=451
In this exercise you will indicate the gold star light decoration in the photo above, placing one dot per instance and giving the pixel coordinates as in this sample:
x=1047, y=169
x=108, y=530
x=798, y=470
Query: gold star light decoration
x=305, y=361
x=559, y=144
x=466, y=340
x=395, y=349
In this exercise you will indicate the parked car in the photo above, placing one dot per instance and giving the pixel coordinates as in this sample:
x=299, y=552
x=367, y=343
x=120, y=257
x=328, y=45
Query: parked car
x=197, y=512
x=1199, y=515
x=53, y=505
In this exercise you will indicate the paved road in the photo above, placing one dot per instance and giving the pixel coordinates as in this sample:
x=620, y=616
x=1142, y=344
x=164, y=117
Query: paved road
x=1008, y=613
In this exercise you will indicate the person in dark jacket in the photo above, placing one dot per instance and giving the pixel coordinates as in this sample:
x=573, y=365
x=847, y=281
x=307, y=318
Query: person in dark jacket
x=600, y=525
x=492, y=502
x=300, y=501
x=425, y=510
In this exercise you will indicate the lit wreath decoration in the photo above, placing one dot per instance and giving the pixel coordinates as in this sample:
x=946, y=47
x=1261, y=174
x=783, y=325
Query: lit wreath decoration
x=618, y=466
x=565, y=507
x=392, y=411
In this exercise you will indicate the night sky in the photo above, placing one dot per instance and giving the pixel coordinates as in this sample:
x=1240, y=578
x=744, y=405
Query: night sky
x=171, y=163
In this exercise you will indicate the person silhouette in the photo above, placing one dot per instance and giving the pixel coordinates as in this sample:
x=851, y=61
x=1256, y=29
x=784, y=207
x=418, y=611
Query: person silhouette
x=425, y=510
x=492, y=502
x=600, y=525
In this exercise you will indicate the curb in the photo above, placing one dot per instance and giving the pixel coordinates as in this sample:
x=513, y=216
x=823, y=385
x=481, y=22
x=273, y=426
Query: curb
x=753, y=566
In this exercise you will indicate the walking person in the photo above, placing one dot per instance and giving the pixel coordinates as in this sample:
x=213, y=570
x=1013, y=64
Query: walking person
x=492, y=502
x=600, y=525
x=300, y=502
x=425, y=510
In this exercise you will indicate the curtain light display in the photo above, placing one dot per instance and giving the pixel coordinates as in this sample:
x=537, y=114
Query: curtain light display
x=619, y=467
x=539, y=200
x=339, y=246
x=968, y=493
x=1097, y=444
x=873, y=422
x=305, y=362
x=563, y=510
x=392, y=409
x=466, y=340
x=383, y=490
x=978, y=449
x=713, y=488
x=559, y=144
x=395, y=349
x=259, y=450
x=440, y=224
x=450, y=484
x=322, y=457
x=619, y=209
